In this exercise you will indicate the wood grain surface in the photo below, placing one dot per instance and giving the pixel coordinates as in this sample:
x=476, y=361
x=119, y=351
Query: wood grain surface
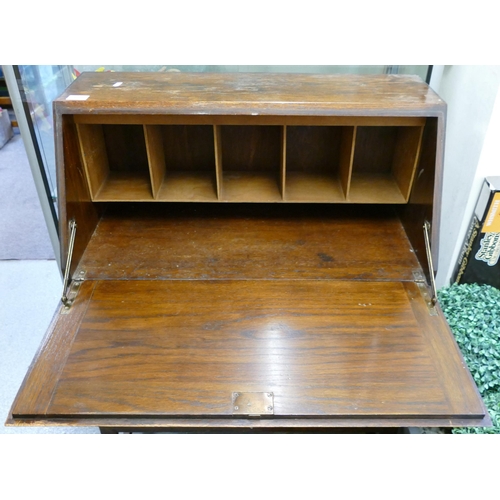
x=245, y=119
x=425, y=197
x=267, y=241
x=156, y=156
x=243, y=425
x=74, y=197
x=251, y=93
x=182, y=347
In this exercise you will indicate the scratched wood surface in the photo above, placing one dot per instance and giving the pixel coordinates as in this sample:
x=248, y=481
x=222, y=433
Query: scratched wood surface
x=178, y=348
x=251, y=93
x=207, y=241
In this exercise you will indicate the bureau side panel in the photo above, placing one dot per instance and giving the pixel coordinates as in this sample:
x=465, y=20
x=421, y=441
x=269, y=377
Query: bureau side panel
x=73, y=192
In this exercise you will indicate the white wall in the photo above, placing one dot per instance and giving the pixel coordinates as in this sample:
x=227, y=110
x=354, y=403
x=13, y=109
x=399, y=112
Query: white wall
x=472, y=151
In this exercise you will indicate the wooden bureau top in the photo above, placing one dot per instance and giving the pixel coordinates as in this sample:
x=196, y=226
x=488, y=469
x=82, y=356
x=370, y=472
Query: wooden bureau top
x=250, y=94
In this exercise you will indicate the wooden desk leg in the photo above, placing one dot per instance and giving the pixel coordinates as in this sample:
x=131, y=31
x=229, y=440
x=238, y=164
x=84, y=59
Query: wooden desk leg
x=108, y=430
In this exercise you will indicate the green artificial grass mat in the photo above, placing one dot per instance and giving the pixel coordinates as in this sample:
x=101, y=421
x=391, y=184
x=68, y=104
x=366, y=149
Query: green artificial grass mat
x=473, y=313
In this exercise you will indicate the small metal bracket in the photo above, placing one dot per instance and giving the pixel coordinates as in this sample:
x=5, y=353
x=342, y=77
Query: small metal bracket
x=69, y=293
x=253, y=404
x=424, y=291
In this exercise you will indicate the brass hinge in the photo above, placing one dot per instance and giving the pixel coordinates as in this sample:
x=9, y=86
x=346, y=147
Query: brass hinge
x=70, y=290
x=421, y=282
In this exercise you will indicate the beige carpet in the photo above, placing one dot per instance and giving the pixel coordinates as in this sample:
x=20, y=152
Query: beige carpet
x=23, y=231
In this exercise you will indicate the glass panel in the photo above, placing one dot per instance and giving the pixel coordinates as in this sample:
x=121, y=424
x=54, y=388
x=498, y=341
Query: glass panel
x=402, y=70
x=40, y=86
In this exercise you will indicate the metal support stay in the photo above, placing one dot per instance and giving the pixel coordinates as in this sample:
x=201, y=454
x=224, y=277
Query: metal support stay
x=66, y=292
x=427, y=228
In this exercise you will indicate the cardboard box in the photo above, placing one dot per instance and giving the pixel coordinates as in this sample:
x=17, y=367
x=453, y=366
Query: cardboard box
x=479, y=260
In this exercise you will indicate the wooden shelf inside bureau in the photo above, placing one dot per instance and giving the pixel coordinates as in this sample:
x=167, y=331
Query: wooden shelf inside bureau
x=250, y=163
x=249, y=241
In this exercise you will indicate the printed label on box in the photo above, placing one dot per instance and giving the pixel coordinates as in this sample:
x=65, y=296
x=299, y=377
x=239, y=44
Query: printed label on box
x=490, y=249
x=492, y=221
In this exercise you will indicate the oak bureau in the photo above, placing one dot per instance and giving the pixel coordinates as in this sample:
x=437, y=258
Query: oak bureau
x=248, y=251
